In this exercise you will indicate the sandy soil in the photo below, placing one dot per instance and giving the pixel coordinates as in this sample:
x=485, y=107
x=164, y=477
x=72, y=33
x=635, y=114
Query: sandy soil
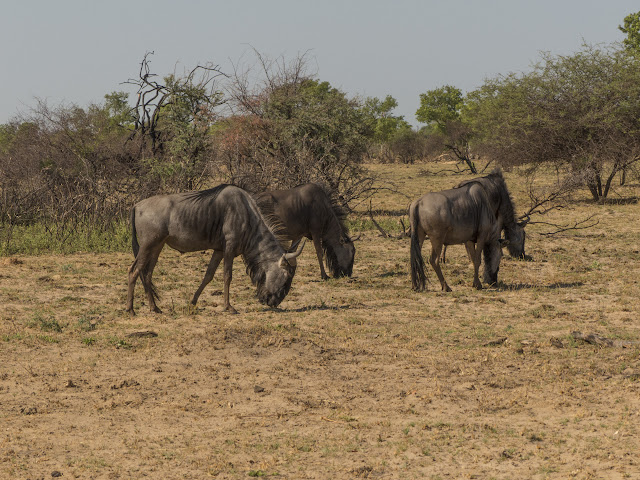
x=349, y=378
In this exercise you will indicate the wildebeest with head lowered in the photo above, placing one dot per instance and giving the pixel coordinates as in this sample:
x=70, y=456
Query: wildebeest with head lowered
x=308, y=211
x=458, y=216
x=225, y=219
x=504, y=210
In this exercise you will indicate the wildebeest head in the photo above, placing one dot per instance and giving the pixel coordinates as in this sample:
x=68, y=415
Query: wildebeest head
x=340, y=256
x=515, y=244
x=516, y=238
x=275, y=282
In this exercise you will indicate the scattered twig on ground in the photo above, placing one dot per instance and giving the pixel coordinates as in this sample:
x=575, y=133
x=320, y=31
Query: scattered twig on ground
x=497, y=341
x=143, y=333
x=602, y=341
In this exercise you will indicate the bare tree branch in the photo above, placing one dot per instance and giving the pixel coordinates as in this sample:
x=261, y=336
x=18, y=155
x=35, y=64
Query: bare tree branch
x=579, y=225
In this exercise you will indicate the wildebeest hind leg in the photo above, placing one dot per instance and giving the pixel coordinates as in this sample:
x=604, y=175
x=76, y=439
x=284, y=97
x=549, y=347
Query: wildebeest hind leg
x=434, y=260
x=228, y=275
x=134, y=273
x=211, y=270
x=475, y=251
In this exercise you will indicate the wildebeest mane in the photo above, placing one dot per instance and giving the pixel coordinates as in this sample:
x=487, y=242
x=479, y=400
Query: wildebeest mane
x=204, y=202
x=329, y=253
x=254, y=254
x=332, y=261
x=267, y=209
x=209, y=194
x=338, y=210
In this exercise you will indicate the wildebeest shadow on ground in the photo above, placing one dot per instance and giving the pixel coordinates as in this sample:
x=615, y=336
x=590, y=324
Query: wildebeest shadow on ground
x=390, y=213
x=506, y=287
x=309, y=308
x=392, y=274
x=632, y=200
x=621, y=200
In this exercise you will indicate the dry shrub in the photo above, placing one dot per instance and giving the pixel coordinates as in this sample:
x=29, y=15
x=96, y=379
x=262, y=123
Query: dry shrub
x=64, y=166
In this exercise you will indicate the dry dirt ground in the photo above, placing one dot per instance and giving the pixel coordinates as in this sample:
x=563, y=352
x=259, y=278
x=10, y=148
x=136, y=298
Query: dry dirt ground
x=350, y=378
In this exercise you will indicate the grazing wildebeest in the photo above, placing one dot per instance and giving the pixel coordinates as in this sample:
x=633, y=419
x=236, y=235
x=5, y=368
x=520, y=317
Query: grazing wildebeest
x=308, y=211
x=450, y=217
x=504, y=210
x=225, y=219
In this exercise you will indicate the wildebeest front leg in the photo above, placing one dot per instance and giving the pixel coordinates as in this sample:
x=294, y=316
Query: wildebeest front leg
x=434, y=260
x=216, y=258
x=318, y=244
x=228, y=275
x=475, y=254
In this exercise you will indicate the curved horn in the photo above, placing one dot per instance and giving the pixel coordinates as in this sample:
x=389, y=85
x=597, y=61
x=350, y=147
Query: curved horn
x=355, y=239
x=291, y=257
x=524, y=222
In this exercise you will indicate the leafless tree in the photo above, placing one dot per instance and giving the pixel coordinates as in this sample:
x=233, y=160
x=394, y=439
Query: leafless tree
x=195, y=93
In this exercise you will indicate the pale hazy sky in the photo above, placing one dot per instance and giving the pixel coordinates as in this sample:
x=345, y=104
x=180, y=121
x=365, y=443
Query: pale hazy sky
x=75, y=51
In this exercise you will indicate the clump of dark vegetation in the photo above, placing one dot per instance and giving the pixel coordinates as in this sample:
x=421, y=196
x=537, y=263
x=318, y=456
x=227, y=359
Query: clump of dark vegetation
x=69, y=174
x=68, y=171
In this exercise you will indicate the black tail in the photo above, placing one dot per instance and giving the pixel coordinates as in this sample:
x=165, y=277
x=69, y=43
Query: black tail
x=134, y=235
x=418, y=277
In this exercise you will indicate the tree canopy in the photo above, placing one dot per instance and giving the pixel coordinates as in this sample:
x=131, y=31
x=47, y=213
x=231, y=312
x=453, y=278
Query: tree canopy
x=581, y=111
x=385, y=124
x=292, y=129
x=440, y=106
x=631, y=28
x=441, y=109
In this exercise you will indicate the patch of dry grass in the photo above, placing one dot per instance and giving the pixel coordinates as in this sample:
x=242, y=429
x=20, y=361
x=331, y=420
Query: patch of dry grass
x=350, y=378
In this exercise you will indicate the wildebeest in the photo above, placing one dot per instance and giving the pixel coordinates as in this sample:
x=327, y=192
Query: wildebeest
x=308, y=211
x=225, y=219
x=461, y=215
x=504, y=210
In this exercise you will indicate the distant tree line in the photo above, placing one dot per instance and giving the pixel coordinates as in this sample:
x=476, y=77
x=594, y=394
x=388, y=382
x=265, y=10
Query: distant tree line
x=273, y=124
x=578, y=114
x=269, y=125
